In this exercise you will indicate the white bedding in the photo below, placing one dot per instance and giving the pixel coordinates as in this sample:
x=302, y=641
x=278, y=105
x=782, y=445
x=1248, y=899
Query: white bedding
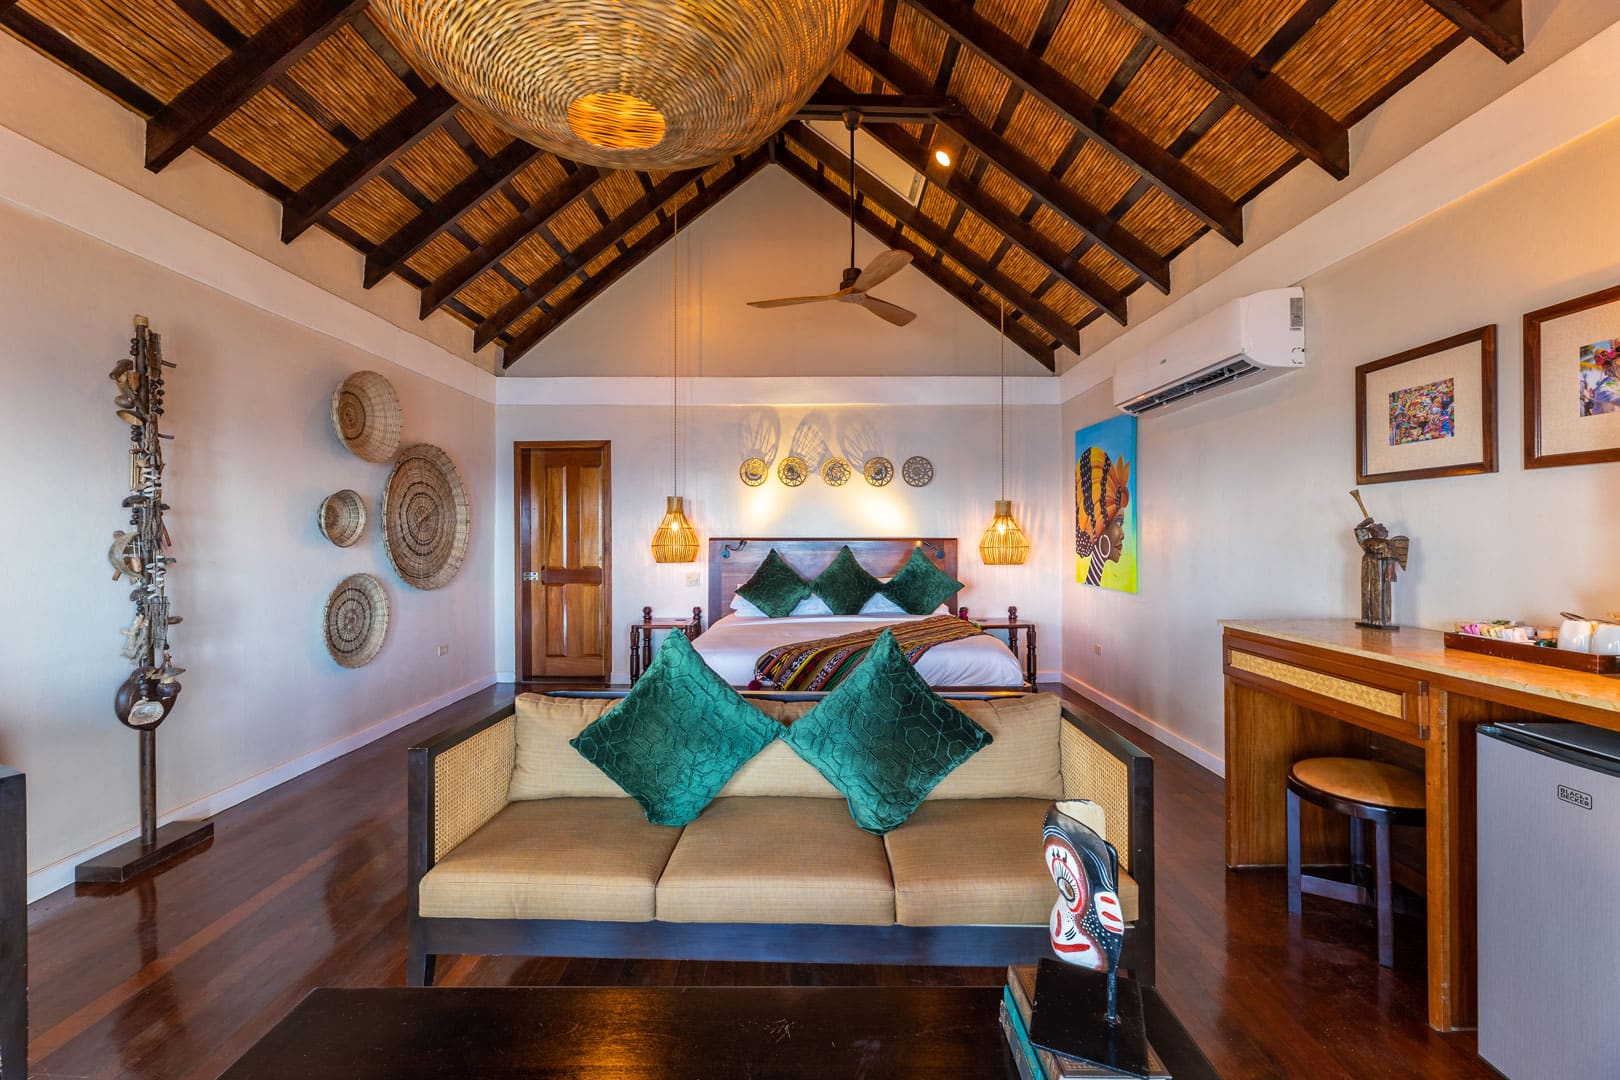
x=732, y=645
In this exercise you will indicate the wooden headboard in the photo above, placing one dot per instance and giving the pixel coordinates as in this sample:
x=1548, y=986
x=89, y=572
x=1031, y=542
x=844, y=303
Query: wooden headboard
x=733, y=560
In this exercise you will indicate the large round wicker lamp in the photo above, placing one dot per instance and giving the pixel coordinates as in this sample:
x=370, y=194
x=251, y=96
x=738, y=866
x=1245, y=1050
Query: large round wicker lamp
x=629, y=84
x=675, y=540
x=1004, y=542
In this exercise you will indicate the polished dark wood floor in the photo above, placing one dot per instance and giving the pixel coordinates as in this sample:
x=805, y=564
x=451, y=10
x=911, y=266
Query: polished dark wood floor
x=303, y=886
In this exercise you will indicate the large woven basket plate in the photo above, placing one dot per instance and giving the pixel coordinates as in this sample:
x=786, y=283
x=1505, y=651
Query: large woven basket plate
x=356, y=620
x=366, y=416
x=425, y=517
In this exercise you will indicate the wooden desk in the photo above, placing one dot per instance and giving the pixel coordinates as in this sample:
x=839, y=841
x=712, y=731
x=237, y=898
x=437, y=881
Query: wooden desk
x=1302, y=688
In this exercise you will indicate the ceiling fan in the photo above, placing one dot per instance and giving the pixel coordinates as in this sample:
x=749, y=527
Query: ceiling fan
x=853, y=288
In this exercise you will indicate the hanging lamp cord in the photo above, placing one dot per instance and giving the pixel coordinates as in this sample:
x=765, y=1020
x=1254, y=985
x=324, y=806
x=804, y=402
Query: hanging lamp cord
x=852, y=195
x=1001, y=347
x=674, y=358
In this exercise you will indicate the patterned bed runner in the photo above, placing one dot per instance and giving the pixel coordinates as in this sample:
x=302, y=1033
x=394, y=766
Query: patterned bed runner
x=823, y=663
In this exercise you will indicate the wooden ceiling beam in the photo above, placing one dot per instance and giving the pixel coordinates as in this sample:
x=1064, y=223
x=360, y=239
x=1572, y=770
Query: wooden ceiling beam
x=228, y=85
x=1285, y=111
x=695, y=207
x=1046, y=84
x=581, y=257
x=1017, y=332
x=417, y=233
x=832, y=104
x=356, y=168
x=1496, y=24
x=884, y=197
x=1025, y=172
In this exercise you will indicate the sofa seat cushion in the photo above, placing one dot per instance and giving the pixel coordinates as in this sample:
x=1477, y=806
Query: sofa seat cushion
x=594, y=859
x=974, y=862
x=776, y=860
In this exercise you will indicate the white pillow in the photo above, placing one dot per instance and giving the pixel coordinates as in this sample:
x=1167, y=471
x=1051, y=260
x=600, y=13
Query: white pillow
x=810, y=605
x=881, y=605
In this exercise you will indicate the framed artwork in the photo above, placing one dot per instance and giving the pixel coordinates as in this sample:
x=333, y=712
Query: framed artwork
x=1105, y=528
x=1572, y=382
x=1428, y=411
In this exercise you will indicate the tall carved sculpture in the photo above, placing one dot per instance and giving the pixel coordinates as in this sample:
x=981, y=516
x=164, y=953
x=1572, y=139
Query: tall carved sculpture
x=1381, y=553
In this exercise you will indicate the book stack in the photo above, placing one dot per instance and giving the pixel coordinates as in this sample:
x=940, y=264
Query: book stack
x=1036, y=1063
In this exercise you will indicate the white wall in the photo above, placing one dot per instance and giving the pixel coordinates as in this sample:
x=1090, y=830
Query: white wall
x=252, y=458
x=1243, y=499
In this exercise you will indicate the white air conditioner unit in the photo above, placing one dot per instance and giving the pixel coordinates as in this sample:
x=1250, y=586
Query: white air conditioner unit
x=1245, y=342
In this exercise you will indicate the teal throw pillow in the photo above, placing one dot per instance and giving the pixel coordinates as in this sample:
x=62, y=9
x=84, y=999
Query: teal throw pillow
x=677, y=737
x=776, y=588
x=845, y=585
x=920, y=586
x=884, y=739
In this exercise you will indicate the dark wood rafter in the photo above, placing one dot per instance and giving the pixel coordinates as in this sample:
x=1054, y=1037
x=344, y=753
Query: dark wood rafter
x=354, y=169
x=575, y=261
x=694, y=208
x=1023, y=336
x=1150, y=161
x=434, y=219
x=882, y=196
x=227, y=86
x=1024, y=171
x=1496, y=24
x=1284, y=110
x=832, y=104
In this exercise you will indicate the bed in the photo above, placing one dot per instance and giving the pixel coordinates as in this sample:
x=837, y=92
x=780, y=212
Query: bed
x=734, y=641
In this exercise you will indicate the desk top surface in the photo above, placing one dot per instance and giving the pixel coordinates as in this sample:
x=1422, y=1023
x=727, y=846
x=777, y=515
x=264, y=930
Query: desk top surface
x=1425, y=650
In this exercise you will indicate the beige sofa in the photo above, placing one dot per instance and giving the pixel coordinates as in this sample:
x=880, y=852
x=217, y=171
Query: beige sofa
x=518, y=845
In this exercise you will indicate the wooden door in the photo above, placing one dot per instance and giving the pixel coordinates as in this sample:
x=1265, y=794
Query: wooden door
x=564, y=561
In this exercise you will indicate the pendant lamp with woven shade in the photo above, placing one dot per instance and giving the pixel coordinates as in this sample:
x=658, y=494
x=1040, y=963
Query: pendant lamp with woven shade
x=629, y=84
x=675, y=540
x=1004, y=542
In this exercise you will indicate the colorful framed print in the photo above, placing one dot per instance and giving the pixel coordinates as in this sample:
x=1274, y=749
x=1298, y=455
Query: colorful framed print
x=1428, y=411
x=1105, y=509
x=1572, y=382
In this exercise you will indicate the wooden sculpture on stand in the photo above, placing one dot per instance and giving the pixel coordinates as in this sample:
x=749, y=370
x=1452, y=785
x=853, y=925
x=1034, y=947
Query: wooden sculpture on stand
x=145, y=699
x=1381, y=553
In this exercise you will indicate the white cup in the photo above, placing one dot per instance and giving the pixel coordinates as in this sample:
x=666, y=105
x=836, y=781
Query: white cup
x=1605, y=639
x=1575, y=635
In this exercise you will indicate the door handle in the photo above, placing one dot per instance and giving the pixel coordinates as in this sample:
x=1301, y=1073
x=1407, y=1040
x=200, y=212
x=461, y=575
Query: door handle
x=531, y=575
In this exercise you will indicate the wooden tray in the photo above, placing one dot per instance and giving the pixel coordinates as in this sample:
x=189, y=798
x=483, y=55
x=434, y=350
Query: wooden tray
x=1597, y=664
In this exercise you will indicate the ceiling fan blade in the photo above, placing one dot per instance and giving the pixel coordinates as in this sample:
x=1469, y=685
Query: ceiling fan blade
x=881, y=269
x=789, y=301
x=893, y=313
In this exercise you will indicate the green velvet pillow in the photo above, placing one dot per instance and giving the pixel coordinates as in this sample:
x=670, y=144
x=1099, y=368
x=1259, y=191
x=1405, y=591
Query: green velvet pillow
x=920, y=586
x=677, y=737
x=776, y=588
x=845, y=585
x=884, y=739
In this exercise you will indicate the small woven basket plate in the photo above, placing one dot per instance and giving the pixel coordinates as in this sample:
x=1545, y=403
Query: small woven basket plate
x=878, y=471
x=343, y=517
x=918, y=471
x=356, y=620
x=366, y=416
x=425, y=517
x=792, y=470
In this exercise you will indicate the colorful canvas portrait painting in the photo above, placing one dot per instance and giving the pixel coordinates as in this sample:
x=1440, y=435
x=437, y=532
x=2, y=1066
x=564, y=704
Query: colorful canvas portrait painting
x=1423, y=413
x=1105, y=507
x=1600, y=378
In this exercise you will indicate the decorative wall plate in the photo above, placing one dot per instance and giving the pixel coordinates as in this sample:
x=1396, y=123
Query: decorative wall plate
x=835, y=472
x=918, y=471
x=878, y=471
x=342, y=517
x=792, y=471
x=356, y=620
x=425, y=517
x=754, y=471
x=366, y=416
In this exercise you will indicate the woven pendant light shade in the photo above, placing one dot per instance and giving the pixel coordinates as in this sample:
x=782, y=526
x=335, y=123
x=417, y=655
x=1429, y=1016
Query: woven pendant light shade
x=629, y=84
x=1004, y=542
x=675, y=540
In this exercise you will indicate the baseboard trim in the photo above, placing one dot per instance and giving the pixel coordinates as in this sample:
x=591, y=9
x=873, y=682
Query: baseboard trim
x=1182, y=745
x=57, y=875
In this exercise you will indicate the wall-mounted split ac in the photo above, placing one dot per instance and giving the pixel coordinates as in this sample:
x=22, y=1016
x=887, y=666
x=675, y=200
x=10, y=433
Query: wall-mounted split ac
x=1243, y=343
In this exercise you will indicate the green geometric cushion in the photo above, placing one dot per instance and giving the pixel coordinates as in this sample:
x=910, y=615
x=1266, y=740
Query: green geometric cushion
x=845, y=585
x=920, y=586
x=884, y=739
x=776, y=588
x=677, y=737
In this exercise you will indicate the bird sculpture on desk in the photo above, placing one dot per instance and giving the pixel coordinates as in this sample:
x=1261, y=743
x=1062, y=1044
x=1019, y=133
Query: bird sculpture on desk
x=1381, y=553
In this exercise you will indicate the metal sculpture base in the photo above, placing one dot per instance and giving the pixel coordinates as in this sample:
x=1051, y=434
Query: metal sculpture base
x=1070, y=1017
x=131, y=860
x=1376, y=626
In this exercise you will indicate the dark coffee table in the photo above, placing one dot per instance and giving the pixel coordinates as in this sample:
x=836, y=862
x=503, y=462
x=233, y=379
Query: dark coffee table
x=673, y=1033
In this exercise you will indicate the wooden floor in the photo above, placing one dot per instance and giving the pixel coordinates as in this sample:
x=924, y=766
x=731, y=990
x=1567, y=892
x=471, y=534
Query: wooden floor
x=304, y=886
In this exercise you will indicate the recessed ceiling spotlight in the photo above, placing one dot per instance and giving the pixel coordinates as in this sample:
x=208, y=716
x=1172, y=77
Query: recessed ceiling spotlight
x=943, y=157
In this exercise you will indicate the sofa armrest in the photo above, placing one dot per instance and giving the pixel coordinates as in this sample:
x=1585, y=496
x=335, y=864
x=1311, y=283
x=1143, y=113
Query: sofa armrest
x=457, y=781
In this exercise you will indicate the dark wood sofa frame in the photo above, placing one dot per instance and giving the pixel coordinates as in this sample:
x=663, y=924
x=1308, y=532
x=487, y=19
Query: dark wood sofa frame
x=764, y=942
x=13, y=926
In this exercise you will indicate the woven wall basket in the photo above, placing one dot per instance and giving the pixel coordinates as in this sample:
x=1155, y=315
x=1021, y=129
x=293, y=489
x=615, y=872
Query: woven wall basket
x=629, y=84
x=426, y=519
x=366, y=416
x=342, y=517
x=356, y=620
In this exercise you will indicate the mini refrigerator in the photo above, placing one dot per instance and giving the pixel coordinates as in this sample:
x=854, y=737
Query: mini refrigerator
x=1549, y=900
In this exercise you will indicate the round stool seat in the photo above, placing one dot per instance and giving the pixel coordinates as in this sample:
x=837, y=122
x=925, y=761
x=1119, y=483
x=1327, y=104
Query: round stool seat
x=1371, y=783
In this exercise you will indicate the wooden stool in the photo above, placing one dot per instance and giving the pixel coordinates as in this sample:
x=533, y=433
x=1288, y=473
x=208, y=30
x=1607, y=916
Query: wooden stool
x=1364, y=791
